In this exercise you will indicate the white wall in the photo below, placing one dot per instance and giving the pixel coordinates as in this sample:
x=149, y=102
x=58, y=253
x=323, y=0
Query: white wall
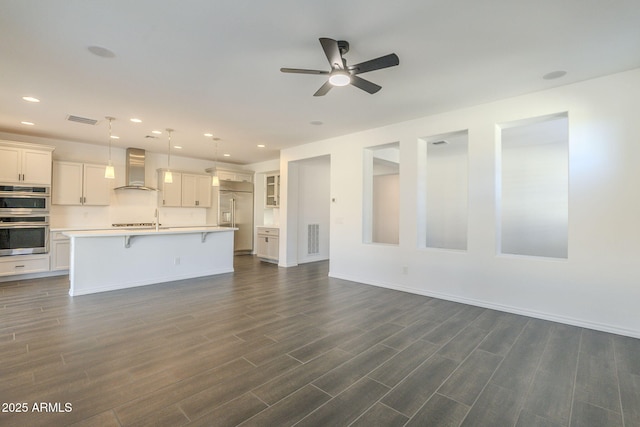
x=597, y=286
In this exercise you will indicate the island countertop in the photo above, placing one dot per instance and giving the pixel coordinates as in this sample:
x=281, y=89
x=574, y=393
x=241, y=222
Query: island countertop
x=105, y=232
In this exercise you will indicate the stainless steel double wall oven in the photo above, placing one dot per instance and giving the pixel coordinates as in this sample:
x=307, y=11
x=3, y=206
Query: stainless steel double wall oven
x=24, y=219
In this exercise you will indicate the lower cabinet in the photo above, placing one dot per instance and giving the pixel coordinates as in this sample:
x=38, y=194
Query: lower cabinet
x=23, y=264
x=59, y=245
x=268, y=245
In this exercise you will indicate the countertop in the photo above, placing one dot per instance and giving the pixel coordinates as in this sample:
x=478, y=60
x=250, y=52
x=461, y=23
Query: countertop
x=144, y=231
x=110, y=227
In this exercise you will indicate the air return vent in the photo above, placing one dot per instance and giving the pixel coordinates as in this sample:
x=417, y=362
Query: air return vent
x=79, y=119
x=313, y=239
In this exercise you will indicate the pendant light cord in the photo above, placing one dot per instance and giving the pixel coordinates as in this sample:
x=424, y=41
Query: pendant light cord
x=169, y=149
x=110, y=120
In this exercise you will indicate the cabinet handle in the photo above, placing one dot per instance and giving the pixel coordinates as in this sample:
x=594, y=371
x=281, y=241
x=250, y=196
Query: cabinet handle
x=266, y=240
x=19, y=266
x=163, y=202
x=80, y=199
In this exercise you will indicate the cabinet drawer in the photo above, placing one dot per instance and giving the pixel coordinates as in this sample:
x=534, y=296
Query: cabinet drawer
x=23, y=265
x=268, y=231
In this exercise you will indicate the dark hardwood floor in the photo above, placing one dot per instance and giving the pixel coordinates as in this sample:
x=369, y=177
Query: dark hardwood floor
x=267, y=346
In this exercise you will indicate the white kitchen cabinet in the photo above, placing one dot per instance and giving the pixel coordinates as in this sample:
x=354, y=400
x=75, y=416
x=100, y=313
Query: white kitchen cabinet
x=268, y=245
x=187, y=190
x=23, y=264
x=234, y=175
x=23, y=163
x=59, y=245
x=196, y=190
x=272, y=191
x=171, y=192
x=80, y=184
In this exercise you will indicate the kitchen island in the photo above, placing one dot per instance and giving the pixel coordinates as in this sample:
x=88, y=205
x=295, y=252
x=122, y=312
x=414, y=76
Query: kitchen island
x=110, y=259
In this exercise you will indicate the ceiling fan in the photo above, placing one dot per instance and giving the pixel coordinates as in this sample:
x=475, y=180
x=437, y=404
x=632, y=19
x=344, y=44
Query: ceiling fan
x=341, y=74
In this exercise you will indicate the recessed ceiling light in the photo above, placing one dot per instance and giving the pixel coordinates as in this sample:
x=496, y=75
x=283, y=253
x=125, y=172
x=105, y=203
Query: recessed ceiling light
x=102, y=52
x=157, y=132
x=30, y=99
x=554, y=75
x=208, y=135
x=227, y=155
x=134, y=120
x=28, y=123
x=178, y=147
x=115, y=137
x=260, y=145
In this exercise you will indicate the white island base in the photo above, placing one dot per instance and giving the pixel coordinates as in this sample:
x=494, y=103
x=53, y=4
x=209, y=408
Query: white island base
x=106, y=260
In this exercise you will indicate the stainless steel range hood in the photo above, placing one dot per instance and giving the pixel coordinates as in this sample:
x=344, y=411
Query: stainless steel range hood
x=134, y=173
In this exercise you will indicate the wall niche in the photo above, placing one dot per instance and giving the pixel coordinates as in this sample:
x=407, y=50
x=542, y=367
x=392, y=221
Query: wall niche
x=381, y=201
x=443, y=172
x=533, y=186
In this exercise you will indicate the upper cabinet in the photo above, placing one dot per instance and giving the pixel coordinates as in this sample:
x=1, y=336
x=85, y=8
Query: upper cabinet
x=23, y=163
x=272, y=191
x=196, y=190
x=187, y=190
x=170, y=192
x=234, y=175
x=80, y=184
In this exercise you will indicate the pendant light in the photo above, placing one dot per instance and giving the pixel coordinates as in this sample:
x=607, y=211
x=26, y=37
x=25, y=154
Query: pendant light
x=215, y=181
x=168, y=178
x=109, y=172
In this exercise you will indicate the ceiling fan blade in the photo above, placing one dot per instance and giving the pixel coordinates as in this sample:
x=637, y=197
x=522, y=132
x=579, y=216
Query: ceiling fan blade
x=375, y=64
x=365, y=85
x=323, y=89
x=332, y=51
x=302, y=71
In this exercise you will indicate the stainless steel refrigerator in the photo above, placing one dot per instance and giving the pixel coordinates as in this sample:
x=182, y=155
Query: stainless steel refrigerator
x=235, y=209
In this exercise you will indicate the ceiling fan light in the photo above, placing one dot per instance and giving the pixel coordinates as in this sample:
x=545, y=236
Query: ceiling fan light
x=340, y=78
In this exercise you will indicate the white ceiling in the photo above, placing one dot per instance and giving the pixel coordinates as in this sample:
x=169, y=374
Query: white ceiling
x=213, y=66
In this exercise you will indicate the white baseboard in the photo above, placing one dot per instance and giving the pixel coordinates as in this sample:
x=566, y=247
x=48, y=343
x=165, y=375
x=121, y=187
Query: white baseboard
x=584, y=323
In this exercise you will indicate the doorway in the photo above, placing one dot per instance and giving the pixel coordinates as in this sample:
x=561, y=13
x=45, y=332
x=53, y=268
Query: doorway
x=308, y=224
